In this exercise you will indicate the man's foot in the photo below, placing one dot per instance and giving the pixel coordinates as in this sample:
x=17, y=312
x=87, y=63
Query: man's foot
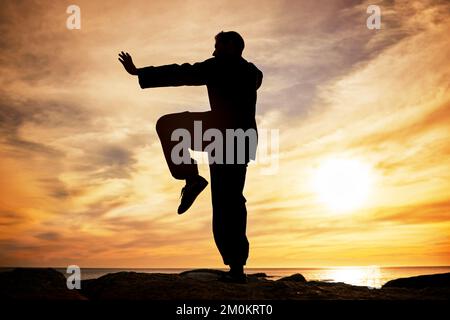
x=190, y=192
x=235, y=275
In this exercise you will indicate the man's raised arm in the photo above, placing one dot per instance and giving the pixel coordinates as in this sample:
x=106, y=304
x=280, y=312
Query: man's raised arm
x=168, y=75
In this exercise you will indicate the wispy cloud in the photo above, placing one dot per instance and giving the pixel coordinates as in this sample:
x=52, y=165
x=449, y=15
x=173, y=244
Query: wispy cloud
x=83, y=178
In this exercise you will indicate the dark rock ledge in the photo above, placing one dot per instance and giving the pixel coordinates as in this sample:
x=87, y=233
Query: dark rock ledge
x=203, y=284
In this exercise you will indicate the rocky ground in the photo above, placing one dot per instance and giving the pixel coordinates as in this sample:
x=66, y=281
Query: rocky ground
x=203, y=284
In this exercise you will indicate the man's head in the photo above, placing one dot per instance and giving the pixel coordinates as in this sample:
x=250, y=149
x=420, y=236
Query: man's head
x=229, y=44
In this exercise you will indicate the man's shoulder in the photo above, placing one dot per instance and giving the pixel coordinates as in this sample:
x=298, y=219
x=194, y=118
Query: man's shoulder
x=250, y=65
x=209, y=61
x=242, y=63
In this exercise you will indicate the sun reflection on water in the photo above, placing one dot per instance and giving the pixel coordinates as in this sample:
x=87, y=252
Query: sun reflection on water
x=362, y=276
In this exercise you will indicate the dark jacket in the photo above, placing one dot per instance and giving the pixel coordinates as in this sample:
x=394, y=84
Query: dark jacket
x=232, y=86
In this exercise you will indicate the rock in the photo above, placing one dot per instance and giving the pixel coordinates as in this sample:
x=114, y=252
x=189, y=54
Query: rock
x=295, y=278
x=202, y=284
x=427, y=281
x=203, y=274
x=259, y=275
x=215, y=275
x=36, y=284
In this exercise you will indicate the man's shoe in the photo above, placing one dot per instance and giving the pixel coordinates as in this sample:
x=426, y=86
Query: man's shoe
x=190, y=192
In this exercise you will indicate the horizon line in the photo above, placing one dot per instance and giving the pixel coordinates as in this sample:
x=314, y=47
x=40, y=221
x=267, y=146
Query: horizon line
x=179, y=268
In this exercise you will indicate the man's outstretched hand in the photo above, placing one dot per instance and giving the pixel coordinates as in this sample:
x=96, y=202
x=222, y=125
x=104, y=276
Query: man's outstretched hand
x=127, y=62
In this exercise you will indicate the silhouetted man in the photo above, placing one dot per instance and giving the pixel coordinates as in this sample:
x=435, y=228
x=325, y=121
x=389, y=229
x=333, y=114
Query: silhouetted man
x=232, y=83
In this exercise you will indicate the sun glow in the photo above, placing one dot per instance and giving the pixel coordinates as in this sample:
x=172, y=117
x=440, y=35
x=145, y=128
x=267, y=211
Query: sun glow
x=342, y=184
x=367, y=276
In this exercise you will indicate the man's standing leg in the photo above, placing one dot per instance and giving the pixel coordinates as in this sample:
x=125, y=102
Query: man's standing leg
x=230, y=215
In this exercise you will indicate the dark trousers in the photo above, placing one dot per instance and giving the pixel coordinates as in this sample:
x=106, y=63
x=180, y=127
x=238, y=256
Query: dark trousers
x=227, y=184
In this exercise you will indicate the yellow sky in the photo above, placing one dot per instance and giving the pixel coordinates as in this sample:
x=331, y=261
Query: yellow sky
x=83, y=177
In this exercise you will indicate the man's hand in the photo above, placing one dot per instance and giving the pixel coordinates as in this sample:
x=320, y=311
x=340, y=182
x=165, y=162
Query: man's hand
x=127, y=62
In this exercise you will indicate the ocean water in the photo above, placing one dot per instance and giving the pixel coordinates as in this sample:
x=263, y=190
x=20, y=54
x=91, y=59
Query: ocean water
x=369, y=276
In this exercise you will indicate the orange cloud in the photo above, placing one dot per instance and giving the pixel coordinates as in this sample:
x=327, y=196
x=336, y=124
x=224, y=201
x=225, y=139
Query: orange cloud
x=83, y=178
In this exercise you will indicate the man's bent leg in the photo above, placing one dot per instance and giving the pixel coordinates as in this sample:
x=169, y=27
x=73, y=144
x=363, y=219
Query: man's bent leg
x=166, y=125
x=186, y=168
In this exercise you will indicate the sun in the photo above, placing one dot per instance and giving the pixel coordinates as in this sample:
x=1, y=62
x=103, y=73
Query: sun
x=343, y=184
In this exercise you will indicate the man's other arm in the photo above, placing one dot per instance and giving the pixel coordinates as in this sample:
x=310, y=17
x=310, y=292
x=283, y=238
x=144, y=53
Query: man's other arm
x=174, y=75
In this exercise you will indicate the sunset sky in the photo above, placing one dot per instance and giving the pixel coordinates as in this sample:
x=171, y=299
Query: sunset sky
x=82, y=175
